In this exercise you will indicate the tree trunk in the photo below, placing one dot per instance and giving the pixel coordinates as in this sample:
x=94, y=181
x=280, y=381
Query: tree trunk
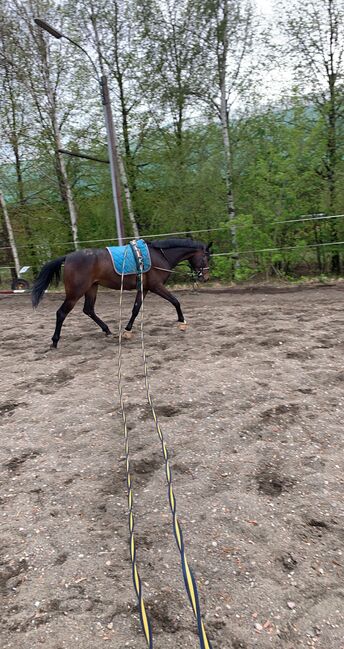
x=228, y=171
x=127, y=194
x=127, y=182
x=25, y=219
x=65, y=188
x=10, y=235
x=331, y=174
x=222, y=56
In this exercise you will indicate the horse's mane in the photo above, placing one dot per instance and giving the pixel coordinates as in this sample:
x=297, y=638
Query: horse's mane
x=176, y=243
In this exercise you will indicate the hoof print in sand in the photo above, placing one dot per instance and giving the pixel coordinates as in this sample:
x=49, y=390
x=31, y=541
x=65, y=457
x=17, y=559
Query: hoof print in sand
x=9, y=407
x=144, y=468
x=271, y=483
x=16, y=462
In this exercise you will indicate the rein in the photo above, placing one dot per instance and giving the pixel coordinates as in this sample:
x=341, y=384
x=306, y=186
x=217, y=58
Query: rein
x=176, y=271
x=165, y=269
x=198, y=273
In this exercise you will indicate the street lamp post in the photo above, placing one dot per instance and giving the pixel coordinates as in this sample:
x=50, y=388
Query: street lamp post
x=110, y=130
x=112, y=149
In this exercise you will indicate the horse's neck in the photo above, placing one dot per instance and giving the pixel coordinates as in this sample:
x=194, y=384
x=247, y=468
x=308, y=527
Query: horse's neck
x=175, y=255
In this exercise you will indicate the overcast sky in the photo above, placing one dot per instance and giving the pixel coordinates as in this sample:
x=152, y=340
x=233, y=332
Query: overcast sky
x=265, y=6
x=276, y=82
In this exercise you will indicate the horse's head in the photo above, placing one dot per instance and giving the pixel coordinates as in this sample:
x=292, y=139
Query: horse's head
x=200, y=263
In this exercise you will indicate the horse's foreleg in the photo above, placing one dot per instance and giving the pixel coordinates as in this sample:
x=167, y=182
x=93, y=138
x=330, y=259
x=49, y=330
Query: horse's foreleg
x=136, y=309
x=163, y=292
x=90, y=298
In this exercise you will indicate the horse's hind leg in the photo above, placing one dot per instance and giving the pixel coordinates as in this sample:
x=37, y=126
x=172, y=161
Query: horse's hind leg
x=61, y=315
x=78, y=280
x=90, y=298
x=136, y=309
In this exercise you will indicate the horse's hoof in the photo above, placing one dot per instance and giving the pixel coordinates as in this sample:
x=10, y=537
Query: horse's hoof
x=53, y=346
x=182, y=326
x=127, y=335
x=108, y=332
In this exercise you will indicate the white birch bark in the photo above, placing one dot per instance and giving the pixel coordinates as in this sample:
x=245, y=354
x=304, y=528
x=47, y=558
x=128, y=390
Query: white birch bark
x=68, y=190
x=127, y=194
x=10, y=235
x=228, y=163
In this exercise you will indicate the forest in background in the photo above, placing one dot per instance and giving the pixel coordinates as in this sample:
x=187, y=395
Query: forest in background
x=226, y=121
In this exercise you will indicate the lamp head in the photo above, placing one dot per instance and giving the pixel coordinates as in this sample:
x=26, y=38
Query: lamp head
x=48, y=28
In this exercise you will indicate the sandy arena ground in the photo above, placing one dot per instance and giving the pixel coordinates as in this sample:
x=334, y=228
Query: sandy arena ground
x=250, y=400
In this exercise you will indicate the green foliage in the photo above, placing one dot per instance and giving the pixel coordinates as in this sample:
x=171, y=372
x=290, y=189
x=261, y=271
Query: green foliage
x=167, y=121
x=180, y=187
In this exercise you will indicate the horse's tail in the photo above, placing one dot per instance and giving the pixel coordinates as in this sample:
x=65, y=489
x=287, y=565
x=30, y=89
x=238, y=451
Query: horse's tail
x=49, y=271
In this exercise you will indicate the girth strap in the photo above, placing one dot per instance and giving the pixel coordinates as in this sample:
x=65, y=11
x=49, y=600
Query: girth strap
x=138, y=260
x=137, y=256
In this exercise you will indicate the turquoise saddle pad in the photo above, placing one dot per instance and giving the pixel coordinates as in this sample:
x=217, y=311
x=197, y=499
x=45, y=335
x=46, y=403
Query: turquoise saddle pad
x=130, y=268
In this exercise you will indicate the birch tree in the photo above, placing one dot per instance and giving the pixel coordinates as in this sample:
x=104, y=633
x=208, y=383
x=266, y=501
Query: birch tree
x=43, y=79
x=226, y=30
x=15, y=117
x=108, y=27
x=170, y=63
x=13, y=107
x=10, y=235
x=314, y=31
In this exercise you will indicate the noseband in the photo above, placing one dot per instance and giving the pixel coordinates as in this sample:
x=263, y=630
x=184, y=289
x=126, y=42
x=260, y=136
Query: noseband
x=199, y=272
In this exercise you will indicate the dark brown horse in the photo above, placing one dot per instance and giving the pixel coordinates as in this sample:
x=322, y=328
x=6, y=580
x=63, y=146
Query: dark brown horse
x=85, y=269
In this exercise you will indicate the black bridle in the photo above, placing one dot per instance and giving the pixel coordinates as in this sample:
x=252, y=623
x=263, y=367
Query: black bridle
x=199, y=272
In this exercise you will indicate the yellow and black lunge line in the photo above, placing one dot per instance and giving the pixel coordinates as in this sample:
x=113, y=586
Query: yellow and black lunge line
x=188, y=576
x=145, y=622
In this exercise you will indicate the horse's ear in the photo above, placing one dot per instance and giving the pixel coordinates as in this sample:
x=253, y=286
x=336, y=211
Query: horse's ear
x=209, y=246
